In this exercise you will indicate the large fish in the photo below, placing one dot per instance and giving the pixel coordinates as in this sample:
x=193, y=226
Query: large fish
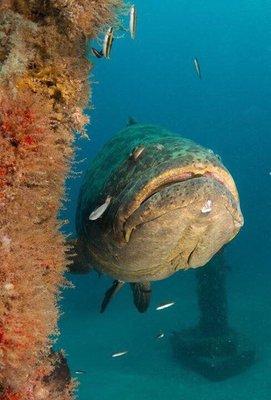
x=173, y=206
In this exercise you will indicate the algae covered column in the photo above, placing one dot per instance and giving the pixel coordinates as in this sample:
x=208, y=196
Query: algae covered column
x=213, y=348
x=212, y=297
x=43, y=91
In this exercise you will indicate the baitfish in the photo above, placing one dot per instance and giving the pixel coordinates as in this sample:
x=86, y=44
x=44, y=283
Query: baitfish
x=108, y=41
x=133, y=21
x=165, y=305
x=171, y=211
x=197, y=66
x=120, y=354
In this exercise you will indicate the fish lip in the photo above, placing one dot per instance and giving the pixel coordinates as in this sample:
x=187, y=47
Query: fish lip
x=127, y=230
x=188, y=176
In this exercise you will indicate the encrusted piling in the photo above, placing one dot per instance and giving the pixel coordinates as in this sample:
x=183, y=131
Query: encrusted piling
x=43, y=92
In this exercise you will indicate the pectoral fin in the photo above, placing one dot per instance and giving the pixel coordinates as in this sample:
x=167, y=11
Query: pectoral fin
x=110, y=293
x=142, y=295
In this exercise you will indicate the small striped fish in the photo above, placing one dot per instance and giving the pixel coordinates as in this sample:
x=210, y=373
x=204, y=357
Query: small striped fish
x=108, y=41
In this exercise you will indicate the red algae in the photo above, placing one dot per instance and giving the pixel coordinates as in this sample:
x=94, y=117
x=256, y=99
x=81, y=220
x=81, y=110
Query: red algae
x=43, y=91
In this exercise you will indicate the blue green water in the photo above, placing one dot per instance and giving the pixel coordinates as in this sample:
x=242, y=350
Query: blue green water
x=153, y=79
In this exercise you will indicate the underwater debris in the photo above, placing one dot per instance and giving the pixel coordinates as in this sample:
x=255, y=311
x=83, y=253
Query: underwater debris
x=119, y=354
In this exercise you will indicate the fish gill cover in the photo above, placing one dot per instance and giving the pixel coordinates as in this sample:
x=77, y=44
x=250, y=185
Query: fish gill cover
x=43, y=91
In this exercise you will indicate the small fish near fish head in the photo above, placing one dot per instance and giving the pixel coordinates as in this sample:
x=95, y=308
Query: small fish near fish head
x=98, y=212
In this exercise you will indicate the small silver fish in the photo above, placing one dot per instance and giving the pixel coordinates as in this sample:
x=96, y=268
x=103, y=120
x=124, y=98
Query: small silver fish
x=165, y=305
x=80, y=372
x=100, y=210
x=207, y=207
x=121, y=353
x=160, y=335
x=108, y=41
x=133, y=21
x=137, y=151
x=197, y=66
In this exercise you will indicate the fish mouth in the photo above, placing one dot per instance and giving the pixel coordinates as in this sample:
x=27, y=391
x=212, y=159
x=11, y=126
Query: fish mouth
x=175, y=224
x=127, y=211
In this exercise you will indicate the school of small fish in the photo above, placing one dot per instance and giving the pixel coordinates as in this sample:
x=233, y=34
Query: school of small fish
x=160, y=335
x=109, y=38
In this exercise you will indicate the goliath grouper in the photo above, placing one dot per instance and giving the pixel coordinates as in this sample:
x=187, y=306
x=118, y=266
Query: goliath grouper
x=168, y=204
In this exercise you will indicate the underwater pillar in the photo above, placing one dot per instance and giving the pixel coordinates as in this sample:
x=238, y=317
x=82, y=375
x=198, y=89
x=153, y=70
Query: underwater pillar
x=44, y=89
x=212, y=348
x=212, y=297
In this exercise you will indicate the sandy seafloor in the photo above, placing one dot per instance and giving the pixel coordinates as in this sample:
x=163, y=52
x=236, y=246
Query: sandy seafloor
x=149, y=370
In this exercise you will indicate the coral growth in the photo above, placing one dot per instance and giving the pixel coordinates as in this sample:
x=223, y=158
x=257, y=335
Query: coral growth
x=43, y=90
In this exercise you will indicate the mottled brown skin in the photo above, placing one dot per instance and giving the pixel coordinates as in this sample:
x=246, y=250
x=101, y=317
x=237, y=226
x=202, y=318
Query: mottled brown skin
x=154, y=225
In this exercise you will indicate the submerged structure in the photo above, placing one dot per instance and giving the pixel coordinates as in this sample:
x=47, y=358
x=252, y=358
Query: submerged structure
x=212, y=347
x=43, y=91
x=153, y=203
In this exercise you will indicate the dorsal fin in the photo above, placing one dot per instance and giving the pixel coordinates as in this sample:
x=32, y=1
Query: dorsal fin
x=131, y=121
